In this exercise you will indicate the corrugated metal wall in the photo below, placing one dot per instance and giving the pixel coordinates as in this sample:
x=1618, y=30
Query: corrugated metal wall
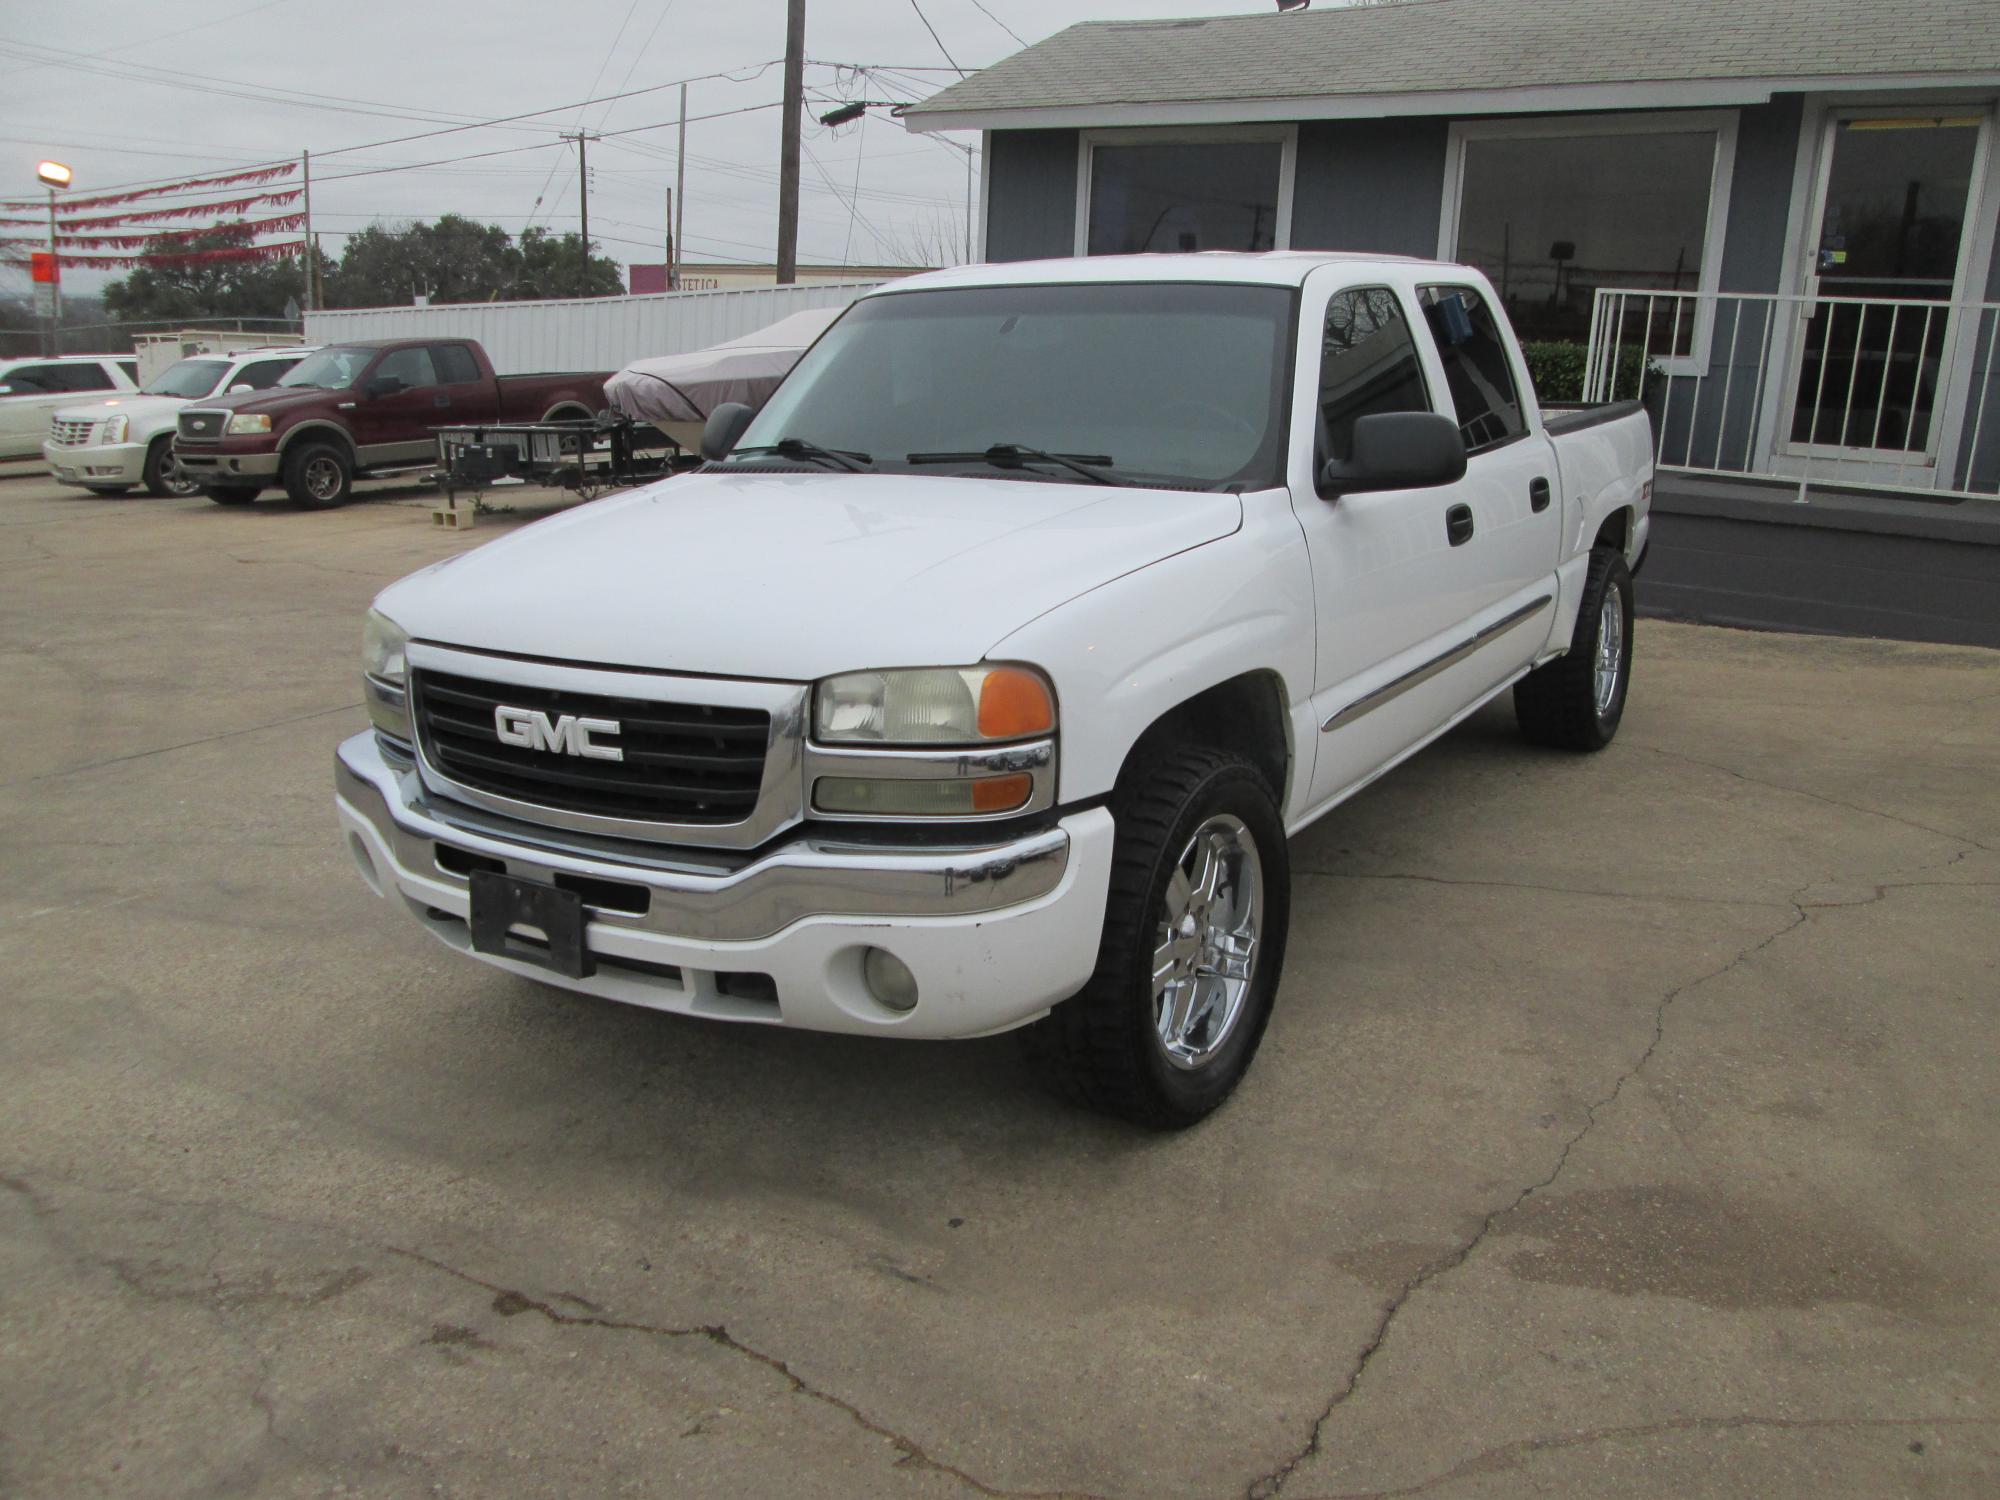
x=587, y=333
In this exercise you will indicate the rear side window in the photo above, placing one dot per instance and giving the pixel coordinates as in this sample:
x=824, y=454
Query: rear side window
x=30, y=380
x=455, y=364
x=77, y=377
x=262, y=375
x=1475, y=366
x=1367, y=364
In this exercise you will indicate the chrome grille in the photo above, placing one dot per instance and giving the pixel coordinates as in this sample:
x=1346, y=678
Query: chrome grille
x=682, y=762
x=71, y=434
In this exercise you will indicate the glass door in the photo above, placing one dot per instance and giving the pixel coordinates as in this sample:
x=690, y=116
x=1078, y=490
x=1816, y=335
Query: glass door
x=1877, y=324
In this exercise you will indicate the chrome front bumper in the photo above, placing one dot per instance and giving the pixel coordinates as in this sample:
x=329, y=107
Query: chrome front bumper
x=700, y=894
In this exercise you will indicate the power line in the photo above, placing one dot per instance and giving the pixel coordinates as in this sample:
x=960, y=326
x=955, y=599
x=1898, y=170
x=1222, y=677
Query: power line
x=934, y=37
x=1000, y=23
x=165, y=36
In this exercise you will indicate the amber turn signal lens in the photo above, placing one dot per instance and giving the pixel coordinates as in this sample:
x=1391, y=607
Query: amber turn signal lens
x=992, y=794
x=1014, y=704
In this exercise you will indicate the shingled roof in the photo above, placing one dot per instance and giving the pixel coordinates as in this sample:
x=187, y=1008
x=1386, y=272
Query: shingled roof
x=1489, y=56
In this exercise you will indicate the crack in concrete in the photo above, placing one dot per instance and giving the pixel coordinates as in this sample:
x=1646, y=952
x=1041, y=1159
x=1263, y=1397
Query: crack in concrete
x=1779, y=786
x=1272, y=1481
x=511, y=1303
x=227, y=734
x=1505, y=1456
x=1524, y=885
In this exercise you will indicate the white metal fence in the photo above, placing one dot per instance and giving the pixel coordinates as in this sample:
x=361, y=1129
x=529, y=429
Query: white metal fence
x=1871, y=392
x=587, y=333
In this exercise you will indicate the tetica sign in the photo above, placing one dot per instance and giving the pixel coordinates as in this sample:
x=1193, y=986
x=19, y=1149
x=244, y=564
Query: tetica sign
x=568, y=735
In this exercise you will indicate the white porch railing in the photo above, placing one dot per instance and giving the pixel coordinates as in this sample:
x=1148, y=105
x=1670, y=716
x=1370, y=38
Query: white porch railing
x=1871, y=392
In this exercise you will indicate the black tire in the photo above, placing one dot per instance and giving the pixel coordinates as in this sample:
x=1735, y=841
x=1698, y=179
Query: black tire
x=162, y=475
x=319, y=476
x=1557, y=704
x=108, y=491
x=232, y=494
x=1103, y=1049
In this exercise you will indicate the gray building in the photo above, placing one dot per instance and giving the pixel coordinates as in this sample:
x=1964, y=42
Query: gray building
x=1784, y=211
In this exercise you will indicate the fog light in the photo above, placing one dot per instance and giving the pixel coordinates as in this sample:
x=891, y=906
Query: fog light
x=889, y=979
x=903, y=797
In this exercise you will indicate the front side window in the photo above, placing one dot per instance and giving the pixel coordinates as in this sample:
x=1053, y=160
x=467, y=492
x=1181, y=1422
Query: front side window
x=1368, y=363
x=1186, y=195
x=131, y=369
x=1550, y=218
x=1476, y=369
x=1164, y=382
x=187, y=378
x=411, y=366
x=331, y=369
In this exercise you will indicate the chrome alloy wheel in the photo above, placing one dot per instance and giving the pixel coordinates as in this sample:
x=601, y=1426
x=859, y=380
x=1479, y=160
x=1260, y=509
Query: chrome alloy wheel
x=1206, y=954
x=322, y=479
x=1610, y=649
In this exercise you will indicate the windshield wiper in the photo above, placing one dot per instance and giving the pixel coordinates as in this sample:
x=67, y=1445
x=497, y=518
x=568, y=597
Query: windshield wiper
x=1015, y=456
x=791, y=447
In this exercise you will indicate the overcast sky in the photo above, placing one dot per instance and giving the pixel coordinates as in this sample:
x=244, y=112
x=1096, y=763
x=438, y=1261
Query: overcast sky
x=125, y=91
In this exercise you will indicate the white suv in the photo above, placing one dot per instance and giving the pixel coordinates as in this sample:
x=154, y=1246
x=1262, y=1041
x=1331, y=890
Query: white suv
x=109, y=446
x=32, y=388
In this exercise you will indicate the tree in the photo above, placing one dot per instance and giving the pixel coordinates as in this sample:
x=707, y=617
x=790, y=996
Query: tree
x=458, y=260
x=180, y=291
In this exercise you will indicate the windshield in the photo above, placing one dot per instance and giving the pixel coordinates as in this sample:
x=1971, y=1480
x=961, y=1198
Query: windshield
x=333, y=369
x=1168, y=382
x=189, y=378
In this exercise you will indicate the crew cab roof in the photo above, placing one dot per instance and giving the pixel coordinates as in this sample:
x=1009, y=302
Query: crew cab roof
x=1259, y=268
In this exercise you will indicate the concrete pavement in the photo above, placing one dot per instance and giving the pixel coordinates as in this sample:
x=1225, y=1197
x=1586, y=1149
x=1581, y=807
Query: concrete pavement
x=1629, y=1125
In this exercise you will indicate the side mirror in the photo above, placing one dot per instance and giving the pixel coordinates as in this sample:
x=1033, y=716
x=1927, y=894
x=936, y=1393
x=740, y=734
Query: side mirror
x=1397, y=450
x=382, y=385
x=239, y=388
x=725, y=426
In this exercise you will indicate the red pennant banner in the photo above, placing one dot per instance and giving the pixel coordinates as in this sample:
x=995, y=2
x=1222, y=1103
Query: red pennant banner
x=184, y=211
x=278, y=224
x=279, y=251
x=188, y=185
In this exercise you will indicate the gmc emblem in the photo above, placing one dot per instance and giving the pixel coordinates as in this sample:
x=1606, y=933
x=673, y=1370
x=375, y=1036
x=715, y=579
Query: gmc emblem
x=567, y=735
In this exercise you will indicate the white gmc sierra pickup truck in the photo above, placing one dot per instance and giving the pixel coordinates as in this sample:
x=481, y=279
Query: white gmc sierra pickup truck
x=979, y=679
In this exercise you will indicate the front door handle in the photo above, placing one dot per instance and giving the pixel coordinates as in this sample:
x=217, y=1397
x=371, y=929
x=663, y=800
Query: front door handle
x=1458, y=525
x=1538, y=495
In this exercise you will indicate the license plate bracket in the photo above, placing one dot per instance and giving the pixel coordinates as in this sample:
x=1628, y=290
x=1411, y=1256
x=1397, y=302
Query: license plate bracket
x=500, y=903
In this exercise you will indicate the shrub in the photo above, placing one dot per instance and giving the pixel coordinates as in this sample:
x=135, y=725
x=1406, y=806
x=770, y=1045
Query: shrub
x=1557, y=367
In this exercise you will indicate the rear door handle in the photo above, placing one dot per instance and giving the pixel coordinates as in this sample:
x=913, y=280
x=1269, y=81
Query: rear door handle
x=1538, y=495
x=1458, y=525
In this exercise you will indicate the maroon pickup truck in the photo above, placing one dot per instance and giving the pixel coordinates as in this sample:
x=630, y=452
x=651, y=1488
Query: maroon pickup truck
x=354, y=411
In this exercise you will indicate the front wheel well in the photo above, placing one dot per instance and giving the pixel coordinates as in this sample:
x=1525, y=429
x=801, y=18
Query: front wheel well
x=1245, y=714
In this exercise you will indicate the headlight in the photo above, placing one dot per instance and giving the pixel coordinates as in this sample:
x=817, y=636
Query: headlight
x=246, y=421
x=114, y=429
x=933, y=706
x=385, y=675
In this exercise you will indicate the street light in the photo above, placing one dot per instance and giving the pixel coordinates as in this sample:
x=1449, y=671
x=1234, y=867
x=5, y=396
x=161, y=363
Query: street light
x=55, y=175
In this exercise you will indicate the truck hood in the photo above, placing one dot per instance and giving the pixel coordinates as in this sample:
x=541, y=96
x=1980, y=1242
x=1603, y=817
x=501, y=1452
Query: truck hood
x=794, y=577
x=273, y=399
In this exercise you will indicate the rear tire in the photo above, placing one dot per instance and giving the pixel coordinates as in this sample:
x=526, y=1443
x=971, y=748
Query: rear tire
x=232, y=494
x=1187, y=967
x=1576, y=701
x=163, y=475
x=319, y=476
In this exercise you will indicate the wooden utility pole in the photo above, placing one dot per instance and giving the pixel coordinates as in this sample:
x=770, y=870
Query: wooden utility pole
x=310, y=257
x=788, y=149
x=583, y=199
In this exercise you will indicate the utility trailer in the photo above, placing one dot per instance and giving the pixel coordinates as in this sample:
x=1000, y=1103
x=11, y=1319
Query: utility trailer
x=590, y=457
